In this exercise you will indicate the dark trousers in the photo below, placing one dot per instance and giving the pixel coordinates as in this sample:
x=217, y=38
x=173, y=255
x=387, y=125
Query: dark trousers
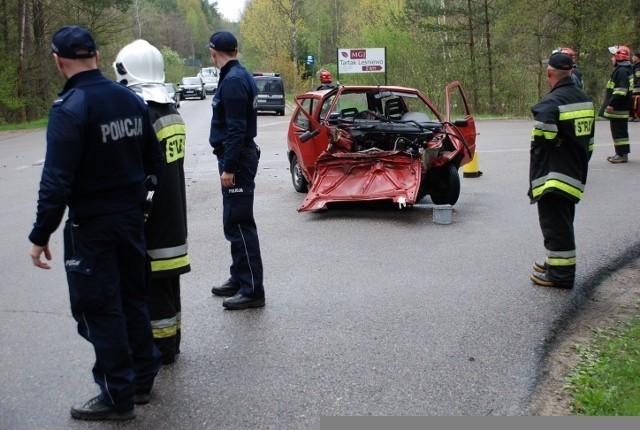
x=106, y=269
x=164, y=309
x=556, y=215
x=620, y=135
x=240, y=227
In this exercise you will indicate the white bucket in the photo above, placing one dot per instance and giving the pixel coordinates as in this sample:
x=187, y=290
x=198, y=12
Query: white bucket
x=442, y=214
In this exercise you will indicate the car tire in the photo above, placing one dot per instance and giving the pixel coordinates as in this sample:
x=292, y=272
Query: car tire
x=281, y=112
x=446, y=188
x=300, y=183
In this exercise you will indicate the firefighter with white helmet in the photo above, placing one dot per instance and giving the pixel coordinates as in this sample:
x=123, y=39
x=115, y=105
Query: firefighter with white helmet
x=617, y=102
x=140, y=66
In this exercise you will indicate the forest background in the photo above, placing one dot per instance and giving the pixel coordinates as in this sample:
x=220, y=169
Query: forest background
x=494, y=47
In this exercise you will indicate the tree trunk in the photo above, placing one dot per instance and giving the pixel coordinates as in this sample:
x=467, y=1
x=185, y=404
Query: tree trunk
x=472, y=57
x=487, y=30
x=22, y=115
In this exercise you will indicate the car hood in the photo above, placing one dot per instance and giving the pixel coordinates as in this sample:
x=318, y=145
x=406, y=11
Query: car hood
x=358, y=177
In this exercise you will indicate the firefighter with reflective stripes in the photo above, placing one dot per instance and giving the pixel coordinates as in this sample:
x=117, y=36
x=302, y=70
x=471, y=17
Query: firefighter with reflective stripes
x=140, y=66
x=617, y=102
x=561, y=146
x=635, y=101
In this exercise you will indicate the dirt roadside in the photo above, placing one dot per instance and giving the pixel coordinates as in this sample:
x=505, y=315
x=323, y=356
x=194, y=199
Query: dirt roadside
x=615, y=300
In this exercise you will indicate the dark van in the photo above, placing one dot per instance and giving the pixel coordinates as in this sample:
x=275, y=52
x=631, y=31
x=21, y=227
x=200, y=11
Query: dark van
x=270, y=92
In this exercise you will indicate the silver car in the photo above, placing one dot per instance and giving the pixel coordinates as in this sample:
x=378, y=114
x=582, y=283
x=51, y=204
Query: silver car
x=210, y=84
x=175, y=95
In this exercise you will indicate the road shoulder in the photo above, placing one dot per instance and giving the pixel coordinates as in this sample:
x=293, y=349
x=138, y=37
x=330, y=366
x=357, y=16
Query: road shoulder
x=614, y=301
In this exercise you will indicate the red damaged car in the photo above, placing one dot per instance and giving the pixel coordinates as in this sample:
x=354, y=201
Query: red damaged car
x=368, y=143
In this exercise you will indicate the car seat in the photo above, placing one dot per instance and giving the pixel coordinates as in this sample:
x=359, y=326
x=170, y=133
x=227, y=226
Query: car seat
x=394, y=108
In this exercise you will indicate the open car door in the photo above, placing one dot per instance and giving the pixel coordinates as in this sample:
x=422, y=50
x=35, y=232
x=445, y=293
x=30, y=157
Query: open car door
x=459, y=113
x=309, y=149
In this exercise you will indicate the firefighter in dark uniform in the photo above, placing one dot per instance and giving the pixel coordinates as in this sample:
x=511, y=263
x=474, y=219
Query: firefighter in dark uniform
x=325, y=80
x=617, y=102
x=635, y=98
x=100, y=148
x=561, y=146
x=233, y=129
x=140, y=66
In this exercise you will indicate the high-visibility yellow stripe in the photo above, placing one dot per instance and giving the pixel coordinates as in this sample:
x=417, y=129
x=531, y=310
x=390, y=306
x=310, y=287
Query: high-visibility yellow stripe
x=165, y=327
x=173, y=263
x=561, y=261
x=617, y=115
x=554, y=183
x=547, y=135
x=171, y=130
x=586, y=113
x=161, y=333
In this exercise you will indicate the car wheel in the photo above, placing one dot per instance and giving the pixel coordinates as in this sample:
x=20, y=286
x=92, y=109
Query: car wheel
x=281, y=113
x=300, y=183
x=446, y=189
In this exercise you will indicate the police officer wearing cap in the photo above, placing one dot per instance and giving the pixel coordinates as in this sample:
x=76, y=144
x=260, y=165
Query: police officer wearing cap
x=233, y=129
x=561, y=146
x=100, y=149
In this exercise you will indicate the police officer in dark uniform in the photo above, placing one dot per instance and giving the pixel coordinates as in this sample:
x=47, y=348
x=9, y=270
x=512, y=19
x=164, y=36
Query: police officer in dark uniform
x=233, y=129
x=561, y=146
x=100, y=148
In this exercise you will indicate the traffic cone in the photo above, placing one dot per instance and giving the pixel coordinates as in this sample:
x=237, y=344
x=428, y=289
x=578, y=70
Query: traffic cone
x=470, y=170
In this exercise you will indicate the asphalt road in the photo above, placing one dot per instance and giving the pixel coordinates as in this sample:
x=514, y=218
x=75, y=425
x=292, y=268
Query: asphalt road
x=370, y=311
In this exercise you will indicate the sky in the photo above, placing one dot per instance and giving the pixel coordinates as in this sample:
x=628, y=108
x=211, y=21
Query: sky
x=230, y=9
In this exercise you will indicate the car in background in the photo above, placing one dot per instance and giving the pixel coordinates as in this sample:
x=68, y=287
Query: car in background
x=173, y=93
x=210, y=84
x=378, y=143
x=270, y=92
x=192, y=87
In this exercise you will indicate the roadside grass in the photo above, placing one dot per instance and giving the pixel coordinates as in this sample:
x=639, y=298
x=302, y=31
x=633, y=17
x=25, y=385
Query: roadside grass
x=606, y=381
x=40, y=123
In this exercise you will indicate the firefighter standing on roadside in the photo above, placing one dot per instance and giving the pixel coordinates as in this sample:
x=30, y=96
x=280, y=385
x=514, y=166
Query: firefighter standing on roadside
x=635, y=101
x=325, y=80
x=617, y=102
x=561, y=146
x=140, y=66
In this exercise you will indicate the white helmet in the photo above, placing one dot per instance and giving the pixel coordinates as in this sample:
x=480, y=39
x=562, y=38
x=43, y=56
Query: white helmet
x=140, y=66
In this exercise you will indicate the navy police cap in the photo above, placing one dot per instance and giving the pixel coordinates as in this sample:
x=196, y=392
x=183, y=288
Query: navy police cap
x=73, y=42
x=223, y=41
x=561, y=61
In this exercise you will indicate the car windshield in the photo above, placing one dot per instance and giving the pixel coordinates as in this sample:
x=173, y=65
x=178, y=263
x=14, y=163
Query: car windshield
x=191, y=81
x=389, y=104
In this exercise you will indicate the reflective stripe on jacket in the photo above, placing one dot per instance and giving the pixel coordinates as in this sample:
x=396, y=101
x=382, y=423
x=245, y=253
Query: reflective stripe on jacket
x=166, y=227
x=561, y=142
x=618, y=92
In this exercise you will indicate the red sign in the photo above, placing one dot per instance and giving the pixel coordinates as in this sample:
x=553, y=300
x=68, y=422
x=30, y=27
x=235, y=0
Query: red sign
x=371, y=68
x=358, y=54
